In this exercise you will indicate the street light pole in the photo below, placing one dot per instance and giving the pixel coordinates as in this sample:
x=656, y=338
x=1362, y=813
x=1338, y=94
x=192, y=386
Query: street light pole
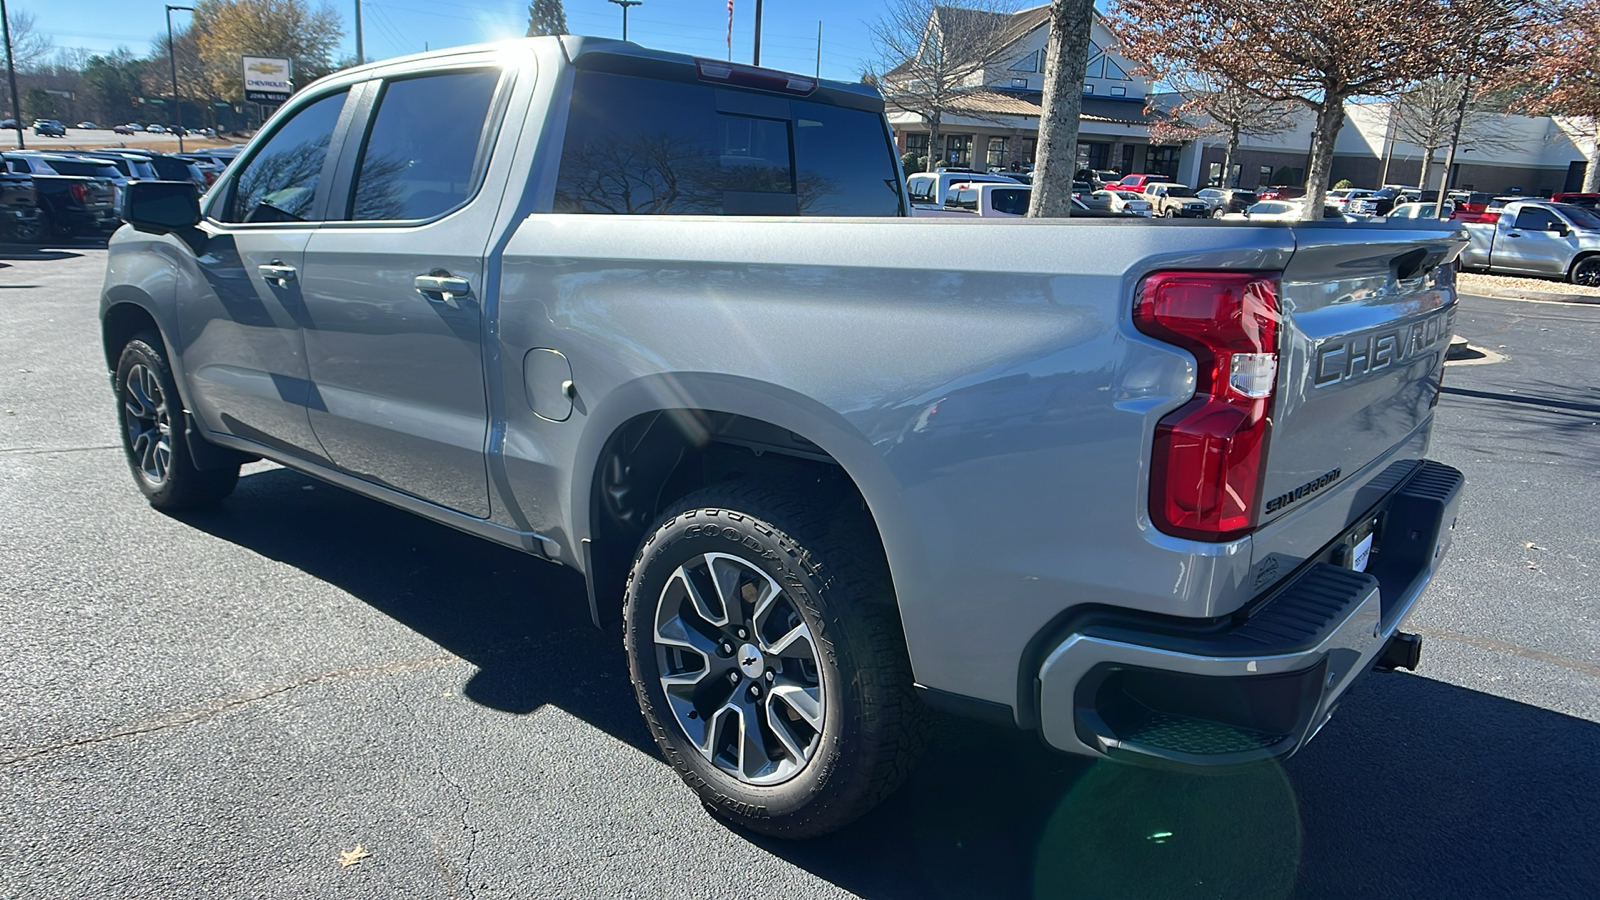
x=11, y=74
x=625, y=4
x=172, y=57
x=757, y=60
x=361, y=56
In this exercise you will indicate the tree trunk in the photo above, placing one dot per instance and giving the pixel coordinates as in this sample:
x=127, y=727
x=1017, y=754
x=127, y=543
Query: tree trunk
x=1591, y=174
x=933, y=143
x=1228, y=154
x=1427, y=167
x=1066, y=59
x=1330, y=118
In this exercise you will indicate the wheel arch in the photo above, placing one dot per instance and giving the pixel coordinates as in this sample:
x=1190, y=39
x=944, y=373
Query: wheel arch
x=128, y=312
x=658, y=424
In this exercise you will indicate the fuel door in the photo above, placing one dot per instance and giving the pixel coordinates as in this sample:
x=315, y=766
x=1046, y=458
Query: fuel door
x=547, y=378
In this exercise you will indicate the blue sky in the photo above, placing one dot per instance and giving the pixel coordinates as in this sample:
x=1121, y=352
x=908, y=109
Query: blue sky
x=396, y=27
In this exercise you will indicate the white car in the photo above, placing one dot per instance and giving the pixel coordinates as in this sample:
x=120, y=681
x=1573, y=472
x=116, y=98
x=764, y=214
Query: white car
x=929, y=189
x=1279, y=211
x=1127, y=202
x=1420, y=211
x=1339, y=198
x=156, y=129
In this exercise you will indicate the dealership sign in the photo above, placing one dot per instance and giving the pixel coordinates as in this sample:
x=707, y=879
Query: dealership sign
x=267, y=79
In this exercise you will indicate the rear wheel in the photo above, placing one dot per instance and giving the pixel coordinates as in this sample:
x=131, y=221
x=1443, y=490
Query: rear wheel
x=768, y=659
x=1586, y=271
x=154, y=425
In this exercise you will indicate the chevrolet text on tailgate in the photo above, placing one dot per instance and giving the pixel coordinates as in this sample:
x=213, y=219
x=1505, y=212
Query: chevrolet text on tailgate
x=1158, y=493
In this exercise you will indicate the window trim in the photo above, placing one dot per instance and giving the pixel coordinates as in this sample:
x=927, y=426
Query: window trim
x=345, y=182
x=218, y=199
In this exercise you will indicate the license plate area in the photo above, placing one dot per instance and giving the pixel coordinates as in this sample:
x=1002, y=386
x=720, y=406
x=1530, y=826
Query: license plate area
x=1355, y=548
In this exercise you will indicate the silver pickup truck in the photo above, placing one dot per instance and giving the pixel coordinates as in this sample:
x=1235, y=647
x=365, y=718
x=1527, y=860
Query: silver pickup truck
x=1156, y=491
x=1531, y=237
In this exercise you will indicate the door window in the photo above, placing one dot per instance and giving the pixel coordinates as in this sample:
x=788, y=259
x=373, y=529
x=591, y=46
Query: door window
x=1011, y=200
x=421, y=153
x=1534, y=218
x=279, y=183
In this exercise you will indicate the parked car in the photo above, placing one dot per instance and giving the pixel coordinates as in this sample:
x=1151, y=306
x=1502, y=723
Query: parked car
x=1279, y=211
x=89, y=167
x=1138, y=182
x=1281, y=192
x=1377, y=203
x=155, y=129
x=1123, y=201
x=1050, y=474
x=1577, y=198
x=87, y=126
x=1176, y=201
x=1421, y=210
x=69, y=204
x=1536, y=237
x=9, y=125
x=1340, y=198
x=932, y=188
x=49, y=128
x=1222, y=201
x=165, y=166
x=995, y=200
x=21, y=221
x=122, y=129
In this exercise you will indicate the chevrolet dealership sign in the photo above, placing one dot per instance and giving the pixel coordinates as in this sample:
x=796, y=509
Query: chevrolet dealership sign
x=267, y=79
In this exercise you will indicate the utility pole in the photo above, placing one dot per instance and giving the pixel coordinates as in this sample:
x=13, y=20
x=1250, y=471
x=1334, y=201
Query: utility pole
x=11, y=74
x=757, y=60
x=625, y=4
x=172, y=57
x=361, y=57
x=819, y=48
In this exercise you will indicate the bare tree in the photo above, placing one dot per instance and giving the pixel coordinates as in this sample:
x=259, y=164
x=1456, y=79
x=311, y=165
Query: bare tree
x=30, y=47
x=1213, y=106
x=1066, y=58
x=931, y=55
x=1425, y=115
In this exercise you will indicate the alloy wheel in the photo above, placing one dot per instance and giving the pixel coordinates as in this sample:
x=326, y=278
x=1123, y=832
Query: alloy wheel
x=738, y=666
x=1587, y=272
x=147, y=423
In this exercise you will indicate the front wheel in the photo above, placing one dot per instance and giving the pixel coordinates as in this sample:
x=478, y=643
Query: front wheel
x=1586, y=271
x=154, y=423
x=768, y=660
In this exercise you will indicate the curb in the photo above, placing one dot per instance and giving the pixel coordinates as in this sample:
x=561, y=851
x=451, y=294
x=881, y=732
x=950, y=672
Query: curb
x=1542, y=296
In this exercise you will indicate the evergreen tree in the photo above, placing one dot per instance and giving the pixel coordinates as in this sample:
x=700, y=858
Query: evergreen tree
x=546, y=17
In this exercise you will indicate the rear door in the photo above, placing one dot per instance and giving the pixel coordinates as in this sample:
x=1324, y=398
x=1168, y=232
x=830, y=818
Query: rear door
x=394, y=290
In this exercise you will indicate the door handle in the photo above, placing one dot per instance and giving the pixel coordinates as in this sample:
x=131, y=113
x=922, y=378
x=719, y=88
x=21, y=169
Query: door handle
x=1514, y=234
x=277, y=272
x=448, y=287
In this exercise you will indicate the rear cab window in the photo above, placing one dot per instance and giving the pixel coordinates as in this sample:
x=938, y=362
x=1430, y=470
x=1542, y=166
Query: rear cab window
x=640, y=145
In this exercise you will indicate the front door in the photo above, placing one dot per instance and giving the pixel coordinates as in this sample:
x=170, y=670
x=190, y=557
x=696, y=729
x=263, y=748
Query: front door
x=393, y=294
x=240, y=320
x=1539, y=242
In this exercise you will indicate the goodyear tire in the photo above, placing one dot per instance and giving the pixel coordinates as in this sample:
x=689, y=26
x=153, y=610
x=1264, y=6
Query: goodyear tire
x=153, y=424
x=768, y=659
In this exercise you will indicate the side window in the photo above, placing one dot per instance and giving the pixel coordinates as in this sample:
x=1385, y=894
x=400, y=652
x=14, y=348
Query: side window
x=418, y=160
x=1012, y=201
x=922, y=190
x=279, y=182
x=1535, y=219
x=641, y=146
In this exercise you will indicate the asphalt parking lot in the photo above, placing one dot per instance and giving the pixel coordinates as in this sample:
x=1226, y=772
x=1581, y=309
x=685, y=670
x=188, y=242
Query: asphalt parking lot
x=222, y=704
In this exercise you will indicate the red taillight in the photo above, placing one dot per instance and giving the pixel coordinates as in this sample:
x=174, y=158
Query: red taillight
x=80, y=193
x=1207, y=459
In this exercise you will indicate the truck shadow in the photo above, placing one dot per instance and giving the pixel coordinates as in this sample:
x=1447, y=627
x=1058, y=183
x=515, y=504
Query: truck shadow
x=1416, y=789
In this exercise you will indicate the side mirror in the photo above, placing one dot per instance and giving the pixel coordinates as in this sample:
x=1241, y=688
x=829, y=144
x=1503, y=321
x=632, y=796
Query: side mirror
x=1561, y=230
x=161, y=207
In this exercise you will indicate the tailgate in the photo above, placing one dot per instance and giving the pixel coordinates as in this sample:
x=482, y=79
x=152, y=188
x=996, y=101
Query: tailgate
x=1367, y=314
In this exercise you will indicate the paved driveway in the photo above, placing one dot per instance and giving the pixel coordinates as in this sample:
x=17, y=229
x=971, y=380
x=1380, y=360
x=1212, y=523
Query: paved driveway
x=221, y=704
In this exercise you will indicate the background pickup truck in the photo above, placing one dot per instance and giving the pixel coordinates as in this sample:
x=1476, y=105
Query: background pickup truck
x=1555, y=240
x=1157, y=493
x=69, y=204
x=20, y=219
